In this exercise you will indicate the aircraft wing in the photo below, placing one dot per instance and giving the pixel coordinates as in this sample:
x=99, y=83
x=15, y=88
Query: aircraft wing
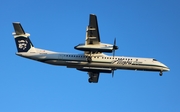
x=92, y=33
x=94, y=72
x=93, y=43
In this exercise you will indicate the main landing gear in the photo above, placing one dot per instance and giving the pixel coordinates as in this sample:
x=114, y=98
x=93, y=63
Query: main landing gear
x=90, y=80
x=89, y=57
x=93, y=77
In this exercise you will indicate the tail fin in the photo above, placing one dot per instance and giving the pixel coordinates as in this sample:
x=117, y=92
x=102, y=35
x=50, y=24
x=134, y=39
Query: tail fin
x=23, y=43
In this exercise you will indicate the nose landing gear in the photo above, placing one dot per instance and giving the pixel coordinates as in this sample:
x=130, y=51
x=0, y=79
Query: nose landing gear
x=161, y=73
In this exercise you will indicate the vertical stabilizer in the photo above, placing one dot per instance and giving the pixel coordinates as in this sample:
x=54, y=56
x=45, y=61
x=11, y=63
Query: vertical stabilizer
x=23, y=43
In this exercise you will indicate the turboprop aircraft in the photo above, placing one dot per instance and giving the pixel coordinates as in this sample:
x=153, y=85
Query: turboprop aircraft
x=92, y=60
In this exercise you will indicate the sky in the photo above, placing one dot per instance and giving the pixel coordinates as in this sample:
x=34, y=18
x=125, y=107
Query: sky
x=142, y=28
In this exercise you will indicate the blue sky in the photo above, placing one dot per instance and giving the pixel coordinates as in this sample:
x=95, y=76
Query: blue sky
x=142, y=28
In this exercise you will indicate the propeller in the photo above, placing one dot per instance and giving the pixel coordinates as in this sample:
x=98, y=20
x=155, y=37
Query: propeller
x=113, y=73
x=113, y=69
x=114, y=47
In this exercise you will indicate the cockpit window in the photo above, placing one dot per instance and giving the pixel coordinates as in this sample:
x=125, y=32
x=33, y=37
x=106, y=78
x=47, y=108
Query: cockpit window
x=154, y=60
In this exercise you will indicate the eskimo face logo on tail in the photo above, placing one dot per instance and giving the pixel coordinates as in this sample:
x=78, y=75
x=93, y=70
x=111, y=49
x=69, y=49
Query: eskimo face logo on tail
x=23, y=44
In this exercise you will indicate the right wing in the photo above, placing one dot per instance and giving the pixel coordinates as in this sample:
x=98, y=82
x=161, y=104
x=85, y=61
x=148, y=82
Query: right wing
x=92, y=33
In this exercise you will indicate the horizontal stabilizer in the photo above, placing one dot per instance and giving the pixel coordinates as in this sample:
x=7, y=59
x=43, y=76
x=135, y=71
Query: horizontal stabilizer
x=18, y=28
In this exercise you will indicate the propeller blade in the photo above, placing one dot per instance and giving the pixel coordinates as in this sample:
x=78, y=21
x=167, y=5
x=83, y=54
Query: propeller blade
x=113, y=53
x=114, y=46
x=115, y=42
x=113, y=72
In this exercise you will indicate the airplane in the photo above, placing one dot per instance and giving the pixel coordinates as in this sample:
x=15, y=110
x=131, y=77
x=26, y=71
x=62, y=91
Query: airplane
x=92, y=60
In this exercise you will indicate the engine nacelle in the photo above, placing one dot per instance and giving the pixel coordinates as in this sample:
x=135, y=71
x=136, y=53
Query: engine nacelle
x=95, y=48
x=96, y=70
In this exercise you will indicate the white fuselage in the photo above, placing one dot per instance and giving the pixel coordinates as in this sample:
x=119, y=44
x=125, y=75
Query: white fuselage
x=98, y=60
x=92, y=61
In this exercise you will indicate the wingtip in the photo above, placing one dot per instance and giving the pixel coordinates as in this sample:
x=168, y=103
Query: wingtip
x=18, y=28
x=93, y=14
x=16, y=23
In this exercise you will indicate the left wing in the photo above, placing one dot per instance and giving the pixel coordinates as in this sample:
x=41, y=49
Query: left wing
x=92, y=33
x=94, y=72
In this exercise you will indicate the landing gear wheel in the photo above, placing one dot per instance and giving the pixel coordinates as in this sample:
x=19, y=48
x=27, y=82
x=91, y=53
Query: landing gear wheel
x=90, y=80
x=161, y=73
